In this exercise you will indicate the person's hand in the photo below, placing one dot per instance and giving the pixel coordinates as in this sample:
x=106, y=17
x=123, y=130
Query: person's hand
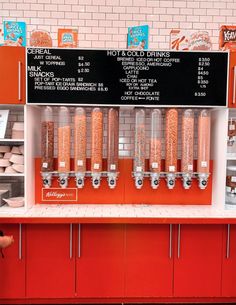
x=6, y=241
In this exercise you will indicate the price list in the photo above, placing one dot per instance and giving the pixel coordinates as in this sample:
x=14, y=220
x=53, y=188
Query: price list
x=203, y=76
x=126, y=77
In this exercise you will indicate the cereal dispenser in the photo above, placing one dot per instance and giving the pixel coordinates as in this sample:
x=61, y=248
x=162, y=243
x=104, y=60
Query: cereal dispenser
x=171, y=134
x=112, y=146
x=139, y=149
x=80, y=146
x=155, y=147
x=187, y=147
x=97, y=140
x=63, y=146
x=203, y=162
x=47, y=145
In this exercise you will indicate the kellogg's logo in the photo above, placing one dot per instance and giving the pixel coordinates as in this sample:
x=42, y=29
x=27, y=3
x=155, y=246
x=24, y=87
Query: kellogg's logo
x=58, y=194
x=229, y=35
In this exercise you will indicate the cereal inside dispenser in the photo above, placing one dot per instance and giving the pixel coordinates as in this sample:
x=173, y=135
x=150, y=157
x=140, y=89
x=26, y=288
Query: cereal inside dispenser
x=112, y=146
x=139, y=153
x=171, y=138
x=47, y=145
x=97, y=142
x=155, y=147
x=187, y=147
x=64, y=146
x=203, y=162
x=80, y=146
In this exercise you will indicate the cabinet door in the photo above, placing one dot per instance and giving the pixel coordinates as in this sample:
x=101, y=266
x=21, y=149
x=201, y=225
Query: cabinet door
x=50, y=270
x=12, y=75
x=12, y=266
x=232, y=80
x=100, y=260
x=197, y=265
x=229, y=262
x=149, y=261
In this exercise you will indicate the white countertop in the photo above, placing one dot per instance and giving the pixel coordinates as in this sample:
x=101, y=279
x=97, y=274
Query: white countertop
x=119, y=211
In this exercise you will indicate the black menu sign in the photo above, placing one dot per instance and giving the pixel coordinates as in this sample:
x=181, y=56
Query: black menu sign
x=126, y=77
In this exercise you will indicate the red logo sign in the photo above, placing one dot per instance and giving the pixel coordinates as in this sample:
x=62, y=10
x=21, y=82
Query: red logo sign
x=59, y=194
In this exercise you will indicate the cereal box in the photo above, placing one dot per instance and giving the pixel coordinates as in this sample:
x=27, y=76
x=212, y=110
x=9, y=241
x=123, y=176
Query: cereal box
x=227, y=39
x=67, y=38
x=1, y=36
x=179, y=40
x=14, y=33
x=190, y=40
x=138, y=37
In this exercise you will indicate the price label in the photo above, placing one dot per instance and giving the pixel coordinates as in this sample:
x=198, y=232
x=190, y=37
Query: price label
x=96, y=166
x=190, y=167
x=172, y=168
x=204, y=164
x=45, y=165
x=233, y=179
x=113, y=167
x=154, y=165
x=80, y=162
x=231, y=127
x=62, y=164
x=138, y=168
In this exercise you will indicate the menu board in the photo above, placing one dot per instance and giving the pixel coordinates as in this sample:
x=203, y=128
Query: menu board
x=126, y=77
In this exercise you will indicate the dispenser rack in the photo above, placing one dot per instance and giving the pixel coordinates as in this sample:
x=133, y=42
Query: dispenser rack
x=203, y=178
x=48, y=176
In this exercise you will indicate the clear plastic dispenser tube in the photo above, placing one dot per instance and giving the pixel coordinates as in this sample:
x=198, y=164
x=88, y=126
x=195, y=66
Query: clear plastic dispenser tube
x=97, y=145
x=204, y=134
x=139, y=148
x=80, y=145
x=155, y=147
x=47, y=144
x=63, y=145
x=113, y=146
x=187, y=147
x=171, y=137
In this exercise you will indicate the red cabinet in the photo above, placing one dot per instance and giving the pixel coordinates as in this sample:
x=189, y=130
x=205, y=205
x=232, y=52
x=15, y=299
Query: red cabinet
x=50, y=269
x=12, y=266
x=198, y=257
x=100, y=260
x=229, y=262
x=232, y=80
x=148, y=261
x=12, y=76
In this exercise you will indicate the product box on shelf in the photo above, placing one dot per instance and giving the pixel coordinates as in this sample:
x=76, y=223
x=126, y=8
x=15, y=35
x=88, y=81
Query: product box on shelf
x=227, y=37
x=138, y=37
x=1, y=36
x=67, y=38
x=189, y=40
x=15, y=33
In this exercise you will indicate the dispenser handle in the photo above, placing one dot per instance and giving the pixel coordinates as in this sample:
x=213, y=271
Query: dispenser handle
x=79, y=240
x=228, y=242
x=179, y=240
x=20, y=241
x=71, y=240
x=170, y=243
x=19, y=81
x=234, y=86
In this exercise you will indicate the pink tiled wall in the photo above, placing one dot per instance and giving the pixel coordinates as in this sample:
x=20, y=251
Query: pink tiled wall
x=103, y=23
